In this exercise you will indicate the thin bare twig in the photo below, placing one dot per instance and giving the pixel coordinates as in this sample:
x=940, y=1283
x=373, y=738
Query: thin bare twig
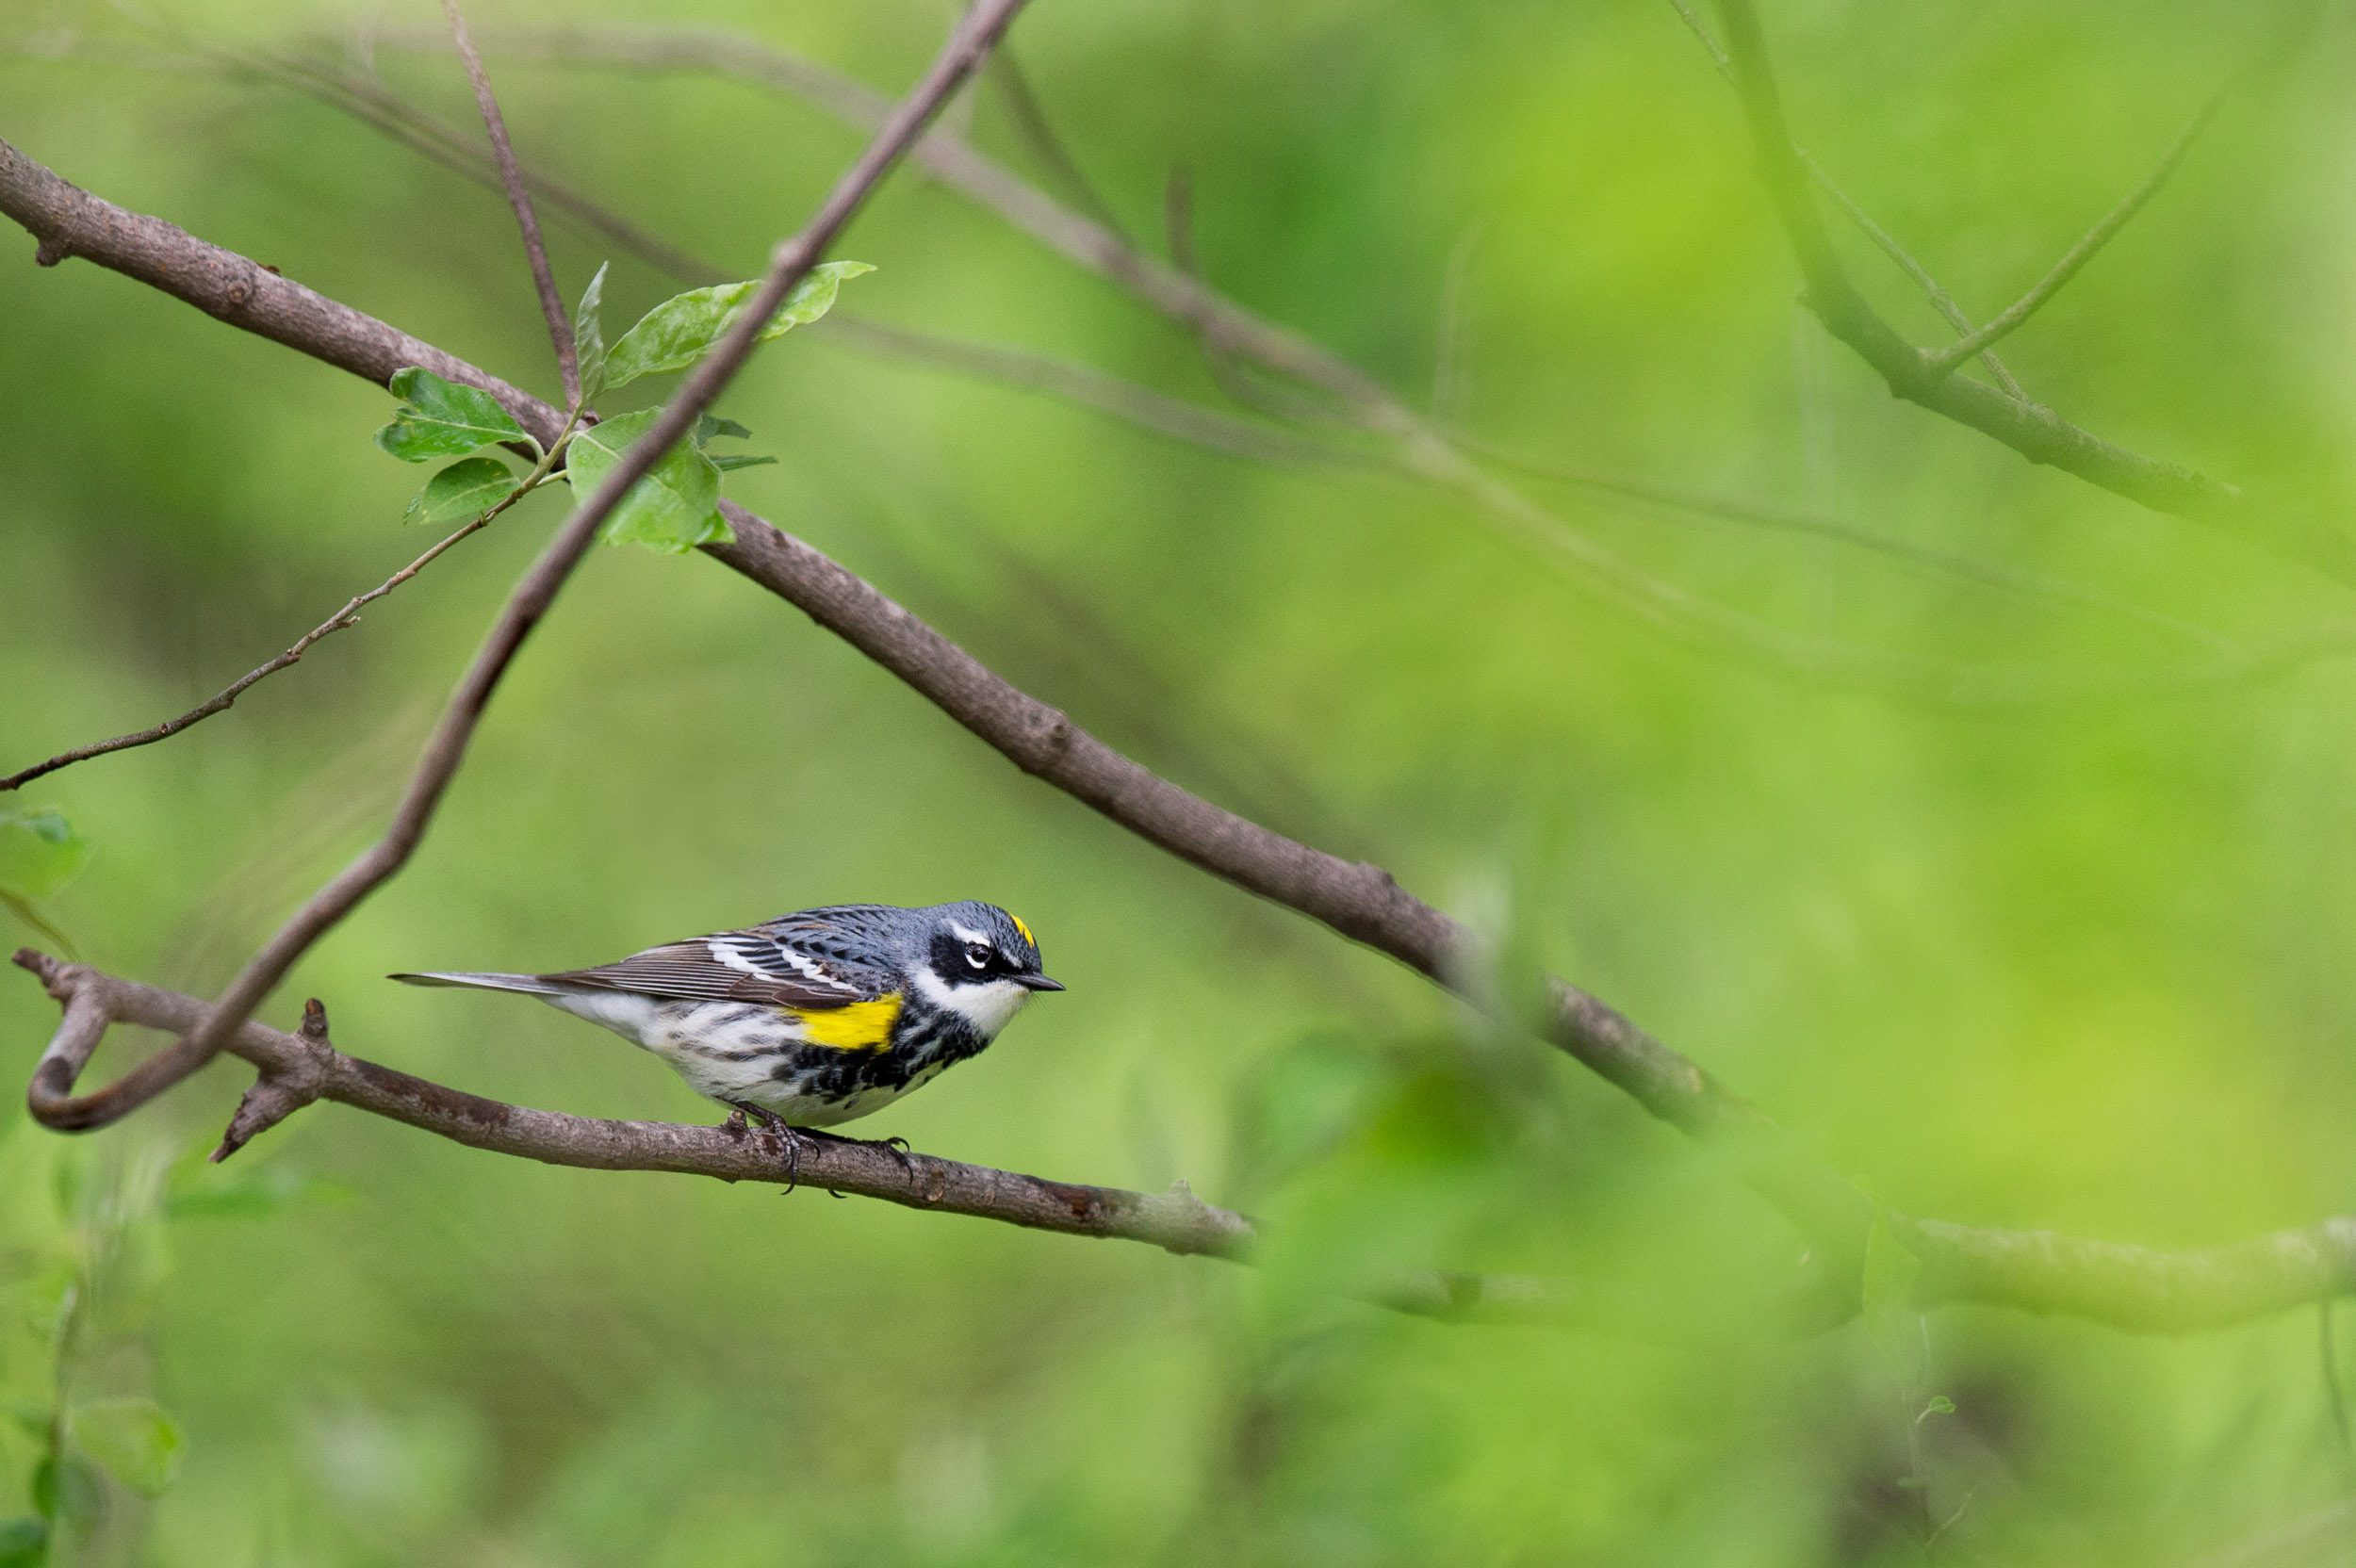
x=371, y=104
x=1940, y=300
x=1133, y=403
x=220, y=701
x=1266, y=441
x=1990, y=574
x=1431, y=453
x=2076, y=257
x=1032, y=122
x=519, y=198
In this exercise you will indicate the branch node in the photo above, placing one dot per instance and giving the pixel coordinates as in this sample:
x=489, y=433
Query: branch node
x=279, y=1091
x=272, y=1100
x=51, y=252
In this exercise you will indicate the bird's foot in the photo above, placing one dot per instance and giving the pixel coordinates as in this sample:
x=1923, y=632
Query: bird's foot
x=787, y=1141
x=896, y=1147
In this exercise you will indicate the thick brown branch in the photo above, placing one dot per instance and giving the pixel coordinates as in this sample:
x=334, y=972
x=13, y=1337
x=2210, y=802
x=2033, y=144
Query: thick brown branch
x=347, y=615
x=2137, y=1288
x=519, y=198
x=1177, y=1221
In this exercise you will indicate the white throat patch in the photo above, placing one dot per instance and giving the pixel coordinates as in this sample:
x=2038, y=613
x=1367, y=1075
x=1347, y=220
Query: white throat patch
x=989, y=1006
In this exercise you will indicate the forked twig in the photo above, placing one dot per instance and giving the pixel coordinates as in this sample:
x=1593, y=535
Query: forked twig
x=2075, y=258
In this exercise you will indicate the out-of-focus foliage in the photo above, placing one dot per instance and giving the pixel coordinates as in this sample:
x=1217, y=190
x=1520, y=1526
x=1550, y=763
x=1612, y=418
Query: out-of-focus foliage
x=2081, y=965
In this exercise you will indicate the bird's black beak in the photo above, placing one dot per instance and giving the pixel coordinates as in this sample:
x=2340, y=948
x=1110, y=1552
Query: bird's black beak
x=1038, y=983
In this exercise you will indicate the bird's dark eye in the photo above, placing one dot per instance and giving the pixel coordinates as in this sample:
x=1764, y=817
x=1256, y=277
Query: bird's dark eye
x=977, y=957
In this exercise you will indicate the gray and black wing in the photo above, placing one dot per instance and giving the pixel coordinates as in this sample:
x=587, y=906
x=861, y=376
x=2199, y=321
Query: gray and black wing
x=736, y=966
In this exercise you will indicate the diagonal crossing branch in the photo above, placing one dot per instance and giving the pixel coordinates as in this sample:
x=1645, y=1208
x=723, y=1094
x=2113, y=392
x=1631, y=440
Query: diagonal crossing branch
x=533, y=596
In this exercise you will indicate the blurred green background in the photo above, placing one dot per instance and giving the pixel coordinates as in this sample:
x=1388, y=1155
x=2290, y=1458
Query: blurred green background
x=2075, y=958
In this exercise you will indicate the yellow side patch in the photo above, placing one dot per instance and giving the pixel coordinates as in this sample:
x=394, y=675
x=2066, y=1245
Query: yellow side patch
x=1024, y=929
x=861, y=1026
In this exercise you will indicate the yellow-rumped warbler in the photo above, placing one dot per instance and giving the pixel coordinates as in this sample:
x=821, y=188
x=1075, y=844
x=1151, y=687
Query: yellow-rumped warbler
x=812, y=1018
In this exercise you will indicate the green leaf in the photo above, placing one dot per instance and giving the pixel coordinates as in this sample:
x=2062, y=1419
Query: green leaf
x=1940, y=1405
x=441, y=419
x=467, y=488
x=673, y=510
x=24, y=1543
x=682, y=329
x=40, y=852
x=725, y=462
x=135, y=1441
x=589, y=335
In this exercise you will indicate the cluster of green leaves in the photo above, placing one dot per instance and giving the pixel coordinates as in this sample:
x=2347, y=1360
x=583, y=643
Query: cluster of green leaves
x=675, y=507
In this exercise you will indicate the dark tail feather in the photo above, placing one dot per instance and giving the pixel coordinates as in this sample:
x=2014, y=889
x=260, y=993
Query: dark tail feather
x=531, y=985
